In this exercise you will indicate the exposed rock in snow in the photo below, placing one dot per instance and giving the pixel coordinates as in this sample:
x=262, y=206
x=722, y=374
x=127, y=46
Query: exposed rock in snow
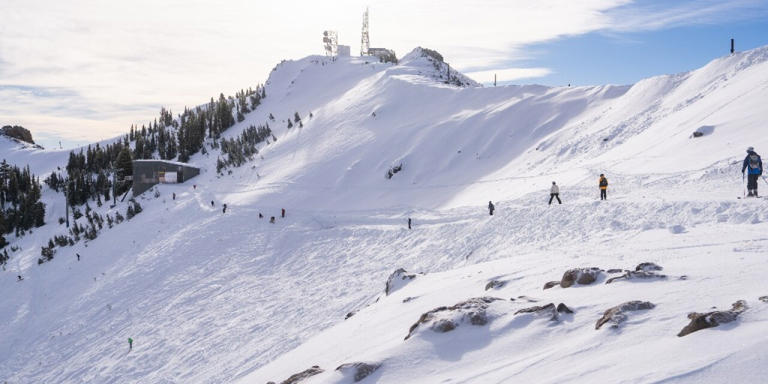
x=551, y=284
x=358, y=371
x=526, y=298
x=615, y=270
x=298, y=377
x=409, y=299
x=648, y=267
x=676, y=229
x=636, y=275
x=18, y=133
x=548, y=310
x=617, y=314
x=398, y=279
x=440, y=70
x=495, y=284
x=764, y=299
x=350, y=314
x=713, y=319
x=445, y=319
x=581, y=276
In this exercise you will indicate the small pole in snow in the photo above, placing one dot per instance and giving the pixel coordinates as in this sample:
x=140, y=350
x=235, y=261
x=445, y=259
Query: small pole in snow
x=733, y=49
x=494, y=79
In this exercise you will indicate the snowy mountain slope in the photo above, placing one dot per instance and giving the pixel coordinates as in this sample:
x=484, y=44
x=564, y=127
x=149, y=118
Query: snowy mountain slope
x=212, y=297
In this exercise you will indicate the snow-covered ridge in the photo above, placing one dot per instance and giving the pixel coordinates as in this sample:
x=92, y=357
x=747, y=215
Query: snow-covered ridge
x=211, y=297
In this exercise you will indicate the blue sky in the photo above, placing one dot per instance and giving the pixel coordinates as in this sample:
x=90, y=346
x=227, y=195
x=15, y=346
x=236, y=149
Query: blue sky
x=85, y=70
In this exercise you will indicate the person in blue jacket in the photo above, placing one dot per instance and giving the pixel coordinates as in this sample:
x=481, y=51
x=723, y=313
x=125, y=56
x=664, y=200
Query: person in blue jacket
x=753, y=164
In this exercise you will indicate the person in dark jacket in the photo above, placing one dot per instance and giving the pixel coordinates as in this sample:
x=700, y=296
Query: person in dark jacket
x=224, y=209
x=753, y=164
x=603, y=187
x=491, y=208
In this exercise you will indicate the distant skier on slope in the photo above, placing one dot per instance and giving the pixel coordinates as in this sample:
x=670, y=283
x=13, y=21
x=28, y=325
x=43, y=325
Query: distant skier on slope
x=130, y=344
x=754, y=166
x=491, y=208
x=554, y=192
x=603, y=187
x=409, y=223
x=224, y=209
x=282, y=212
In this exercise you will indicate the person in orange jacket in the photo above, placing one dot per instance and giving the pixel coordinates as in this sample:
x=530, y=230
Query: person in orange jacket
x=603, y=187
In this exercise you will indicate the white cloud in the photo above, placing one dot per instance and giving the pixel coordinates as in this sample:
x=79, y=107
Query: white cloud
x=139, y=53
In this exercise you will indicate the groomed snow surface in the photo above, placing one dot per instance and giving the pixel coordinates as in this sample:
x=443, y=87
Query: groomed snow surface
x=216, y=298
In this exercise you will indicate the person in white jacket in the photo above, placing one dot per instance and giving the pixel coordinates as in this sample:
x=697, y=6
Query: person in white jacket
x=554, y=192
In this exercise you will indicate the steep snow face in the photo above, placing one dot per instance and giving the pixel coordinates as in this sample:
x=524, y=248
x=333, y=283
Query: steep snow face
x=211, y=297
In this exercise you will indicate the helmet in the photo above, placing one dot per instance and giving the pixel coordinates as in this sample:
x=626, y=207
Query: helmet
x=751, y=149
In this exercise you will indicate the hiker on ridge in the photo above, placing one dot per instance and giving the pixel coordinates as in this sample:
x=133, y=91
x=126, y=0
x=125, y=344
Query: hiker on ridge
x=491, y=208
x=554, y=192
x=603, y=187
x=754, y=164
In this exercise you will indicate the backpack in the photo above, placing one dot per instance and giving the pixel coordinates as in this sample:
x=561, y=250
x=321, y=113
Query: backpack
x=754, y=164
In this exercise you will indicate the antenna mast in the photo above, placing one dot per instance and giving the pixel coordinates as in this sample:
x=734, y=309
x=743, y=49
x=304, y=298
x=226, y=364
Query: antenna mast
x=365, y=43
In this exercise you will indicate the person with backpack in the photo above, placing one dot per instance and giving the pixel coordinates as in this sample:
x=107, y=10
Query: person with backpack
x=753, y=164
x=554, y=192
x=603, y=187
x=491, y=208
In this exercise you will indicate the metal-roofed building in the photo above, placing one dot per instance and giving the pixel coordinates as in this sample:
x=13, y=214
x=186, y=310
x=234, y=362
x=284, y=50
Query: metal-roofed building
x=148, y=173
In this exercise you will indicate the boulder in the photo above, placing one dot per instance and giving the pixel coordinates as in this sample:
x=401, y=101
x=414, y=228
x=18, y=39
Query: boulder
x=551, y=284
x=712, y=319
x=358, y=371
x=581, y=276
x=398, y=279
x=445, y=319
x=764, y=299
x=615, y=270
x=495, y=284
x=617, y=314
x=546, y=310
x=636, y=275
x=298, y=377
x=648, y=267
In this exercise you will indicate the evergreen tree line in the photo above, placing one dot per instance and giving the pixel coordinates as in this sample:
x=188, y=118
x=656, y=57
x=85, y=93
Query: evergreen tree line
x=89, y=231
x=20, y=205
x=242, y=148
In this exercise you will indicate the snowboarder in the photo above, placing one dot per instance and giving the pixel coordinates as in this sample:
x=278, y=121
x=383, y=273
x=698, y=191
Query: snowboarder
x=272, y=219
x=261, y=216
x=78, y=256
x=130, y=344
x=224, y=209
x=753, y=164
x=409, y=223
x=212, y=203
x=603, y=187
x=282, y=212
x=174, y=195
x=554, y=192
x=491, y=208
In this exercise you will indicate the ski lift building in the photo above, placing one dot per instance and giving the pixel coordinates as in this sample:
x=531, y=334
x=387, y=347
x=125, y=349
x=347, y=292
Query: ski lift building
x=148, y=173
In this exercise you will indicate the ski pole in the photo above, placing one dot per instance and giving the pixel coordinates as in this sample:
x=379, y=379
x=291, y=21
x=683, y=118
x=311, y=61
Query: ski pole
x=743, y=186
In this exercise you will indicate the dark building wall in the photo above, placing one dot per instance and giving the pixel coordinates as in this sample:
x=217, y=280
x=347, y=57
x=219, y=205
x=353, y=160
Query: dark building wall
x=146, y=174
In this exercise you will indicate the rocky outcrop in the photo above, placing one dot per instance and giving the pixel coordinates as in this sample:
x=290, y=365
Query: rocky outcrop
x=398, y=279
x=764, y=299
x=495, y=284
x=358, y=371
x=629, y=275
x=446, y=319
x=581, y=276
x=298, y=377
x=551, y=284
x=712, y=319
x=618, y=314
x=18, y=133
x=550, y=310
x=648, y=267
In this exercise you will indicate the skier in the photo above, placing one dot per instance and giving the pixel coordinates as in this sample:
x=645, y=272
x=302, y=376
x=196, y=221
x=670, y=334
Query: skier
x=272, y=219
x=603, y=187
x=754, y=166
x=491, y=208
x=261, y=216
x=174, y=195
x=194, y=186
x=212, y=203
x=20, y=278
x=130, y=344
x=409, y=223
x=282, y=212
x=554, y=192
x=78, y=256
x=224, y=209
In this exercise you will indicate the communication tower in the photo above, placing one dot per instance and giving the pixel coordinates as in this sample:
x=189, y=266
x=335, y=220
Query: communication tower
x=331, y=43
x=365, y=42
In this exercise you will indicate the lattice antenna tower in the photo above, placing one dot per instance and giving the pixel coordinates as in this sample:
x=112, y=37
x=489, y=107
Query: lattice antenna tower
x=331, y=43
x=365, y=43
